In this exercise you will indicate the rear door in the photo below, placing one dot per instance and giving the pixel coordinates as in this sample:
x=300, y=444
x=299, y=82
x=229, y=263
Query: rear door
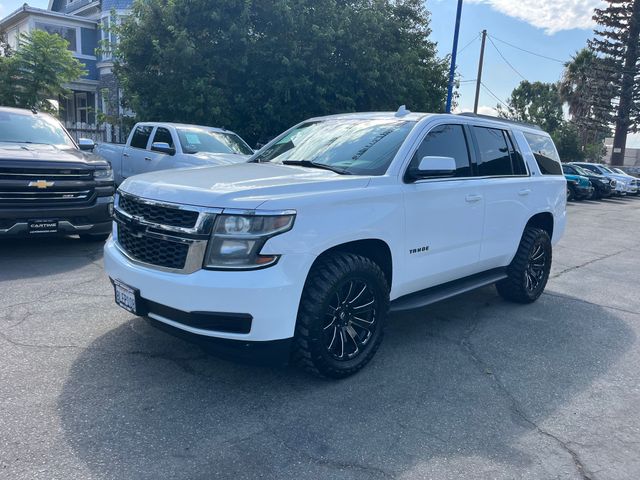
x=134, y=155
x=506, y=188
x=444, y=216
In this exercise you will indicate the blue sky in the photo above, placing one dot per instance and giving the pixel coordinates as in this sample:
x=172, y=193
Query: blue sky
x=554, y=28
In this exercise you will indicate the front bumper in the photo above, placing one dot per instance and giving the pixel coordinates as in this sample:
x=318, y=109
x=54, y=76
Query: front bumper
x=270, y=296
x=93, y=219
x=582, y=191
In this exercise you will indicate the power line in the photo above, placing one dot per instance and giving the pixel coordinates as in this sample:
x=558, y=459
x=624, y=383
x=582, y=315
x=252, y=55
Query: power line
x=469, y=43
x=495, y=96
x=505, y=60
x=529, y=51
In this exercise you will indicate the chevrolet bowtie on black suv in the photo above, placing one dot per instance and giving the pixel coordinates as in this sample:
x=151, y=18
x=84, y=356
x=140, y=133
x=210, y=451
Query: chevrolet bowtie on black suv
x=48, y=184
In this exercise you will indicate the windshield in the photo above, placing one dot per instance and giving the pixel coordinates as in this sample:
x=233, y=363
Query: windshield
x=582, y=171
x=608, y=170
x=622, y=172
x=355, y=146
x=195, y=140
x=32, y=128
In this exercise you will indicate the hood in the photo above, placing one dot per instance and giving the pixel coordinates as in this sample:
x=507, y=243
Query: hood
x=221, y=158
x=244, y=185
x=578, y=178
x=18, y=152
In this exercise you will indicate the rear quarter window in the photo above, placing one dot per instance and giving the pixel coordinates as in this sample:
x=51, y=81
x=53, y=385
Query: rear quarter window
x=545, y=153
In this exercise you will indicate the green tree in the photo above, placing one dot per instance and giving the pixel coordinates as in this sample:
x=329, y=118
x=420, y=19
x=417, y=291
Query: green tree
x=618, y=40
x=566, y=138
x=587, y=88
x=259, y=66
x=37, y=71
x=538, y=103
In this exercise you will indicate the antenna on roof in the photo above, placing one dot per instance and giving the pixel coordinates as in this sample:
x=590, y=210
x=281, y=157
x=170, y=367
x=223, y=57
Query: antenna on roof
x=402, y=111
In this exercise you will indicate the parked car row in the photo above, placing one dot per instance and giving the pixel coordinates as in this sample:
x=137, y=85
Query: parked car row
x=593, y=181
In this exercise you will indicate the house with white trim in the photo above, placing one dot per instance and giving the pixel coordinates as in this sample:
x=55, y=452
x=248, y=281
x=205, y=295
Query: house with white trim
x=84, y=24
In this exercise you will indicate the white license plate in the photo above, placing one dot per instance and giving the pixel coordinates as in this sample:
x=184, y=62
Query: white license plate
x=125, y=296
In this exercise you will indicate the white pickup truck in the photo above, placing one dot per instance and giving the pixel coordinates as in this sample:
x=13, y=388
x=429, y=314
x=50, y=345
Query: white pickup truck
x=153, y=146
x=304, y=250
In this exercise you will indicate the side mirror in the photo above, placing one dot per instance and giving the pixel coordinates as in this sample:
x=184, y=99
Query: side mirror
x=434, y=167
x=86, y=144
x=163, y=147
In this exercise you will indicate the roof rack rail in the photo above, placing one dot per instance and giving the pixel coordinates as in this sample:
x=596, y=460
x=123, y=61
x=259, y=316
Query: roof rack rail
x=500, y=119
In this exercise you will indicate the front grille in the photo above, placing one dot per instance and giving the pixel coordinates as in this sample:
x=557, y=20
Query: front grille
x=29, y=197
x=152, y=250
x=37, y=187
x=15, y=173
x=155, y=213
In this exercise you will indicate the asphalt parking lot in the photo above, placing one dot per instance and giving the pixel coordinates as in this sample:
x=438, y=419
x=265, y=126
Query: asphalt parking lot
x=470, y=388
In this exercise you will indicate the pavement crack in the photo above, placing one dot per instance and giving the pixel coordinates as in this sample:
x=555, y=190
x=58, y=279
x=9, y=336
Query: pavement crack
x=589, y=262
x=515, y=407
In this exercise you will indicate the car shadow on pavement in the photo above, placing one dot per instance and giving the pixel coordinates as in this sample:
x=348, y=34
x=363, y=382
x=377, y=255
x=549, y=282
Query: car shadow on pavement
x=469, y=383
x=37, y=257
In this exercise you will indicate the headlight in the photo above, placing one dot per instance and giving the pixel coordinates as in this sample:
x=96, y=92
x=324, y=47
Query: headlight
x=236, y=240
x=103, y=175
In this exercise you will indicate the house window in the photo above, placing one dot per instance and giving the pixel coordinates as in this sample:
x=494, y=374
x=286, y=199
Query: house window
x=68, y=33
x=13, y=38
x=107, y=36
x=82, y=108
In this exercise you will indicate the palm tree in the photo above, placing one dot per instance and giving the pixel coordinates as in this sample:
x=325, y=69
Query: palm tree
x=586, y=87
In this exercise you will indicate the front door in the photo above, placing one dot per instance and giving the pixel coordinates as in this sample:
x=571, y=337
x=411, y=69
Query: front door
x=155, y=161
x=133, y=161
x=444, y=216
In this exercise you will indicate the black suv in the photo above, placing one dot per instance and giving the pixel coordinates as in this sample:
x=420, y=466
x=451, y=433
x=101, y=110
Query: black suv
x=601, y=184
x=47, y=184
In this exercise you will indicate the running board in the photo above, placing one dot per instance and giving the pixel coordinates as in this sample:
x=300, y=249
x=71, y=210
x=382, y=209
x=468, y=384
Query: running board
x=447, y=290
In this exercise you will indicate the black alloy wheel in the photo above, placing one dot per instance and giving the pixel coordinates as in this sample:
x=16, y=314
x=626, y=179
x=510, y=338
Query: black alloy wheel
x=528, y=273
x=342, y=313
x=352, y=319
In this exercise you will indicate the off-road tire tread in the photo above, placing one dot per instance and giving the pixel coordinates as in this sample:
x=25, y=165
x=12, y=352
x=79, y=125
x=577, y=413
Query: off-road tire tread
x=512, y=287
x=320, y=281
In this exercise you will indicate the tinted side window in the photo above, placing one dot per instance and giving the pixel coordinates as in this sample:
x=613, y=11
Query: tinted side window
x=545, y=153
x=163, y=135
x=495, y=157
x=141, y=137
x=569, y=170
x=445, y=141
x=519, y=167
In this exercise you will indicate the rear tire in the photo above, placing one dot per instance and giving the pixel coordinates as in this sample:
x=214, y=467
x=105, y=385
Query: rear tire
x=342, y=314
x=528, y=273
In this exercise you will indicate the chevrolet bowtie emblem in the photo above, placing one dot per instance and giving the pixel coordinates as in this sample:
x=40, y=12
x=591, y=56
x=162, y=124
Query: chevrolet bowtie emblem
x=41, y=184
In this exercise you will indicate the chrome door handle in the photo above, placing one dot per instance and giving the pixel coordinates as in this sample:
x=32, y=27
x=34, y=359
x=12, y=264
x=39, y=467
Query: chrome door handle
x=473, y=198
x=148, y=159
x=524, y=191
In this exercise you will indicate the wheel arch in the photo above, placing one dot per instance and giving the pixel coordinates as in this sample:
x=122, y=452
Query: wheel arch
x=543, y=220
x=372, y=248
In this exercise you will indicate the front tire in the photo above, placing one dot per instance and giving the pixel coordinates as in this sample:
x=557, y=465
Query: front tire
x=342, y=314
x=528, y=273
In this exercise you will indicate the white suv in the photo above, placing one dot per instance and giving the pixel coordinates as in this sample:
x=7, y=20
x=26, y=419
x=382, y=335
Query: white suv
x=303, y=251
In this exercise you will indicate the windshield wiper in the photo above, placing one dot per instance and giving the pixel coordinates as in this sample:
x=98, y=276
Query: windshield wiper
x=312, y=164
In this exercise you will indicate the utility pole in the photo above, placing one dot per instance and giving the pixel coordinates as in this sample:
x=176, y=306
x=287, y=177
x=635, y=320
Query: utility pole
x=452, y=69
x=479, y=79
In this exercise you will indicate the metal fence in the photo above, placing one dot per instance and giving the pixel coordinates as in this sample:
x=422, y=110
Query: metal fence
x=98, y=133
